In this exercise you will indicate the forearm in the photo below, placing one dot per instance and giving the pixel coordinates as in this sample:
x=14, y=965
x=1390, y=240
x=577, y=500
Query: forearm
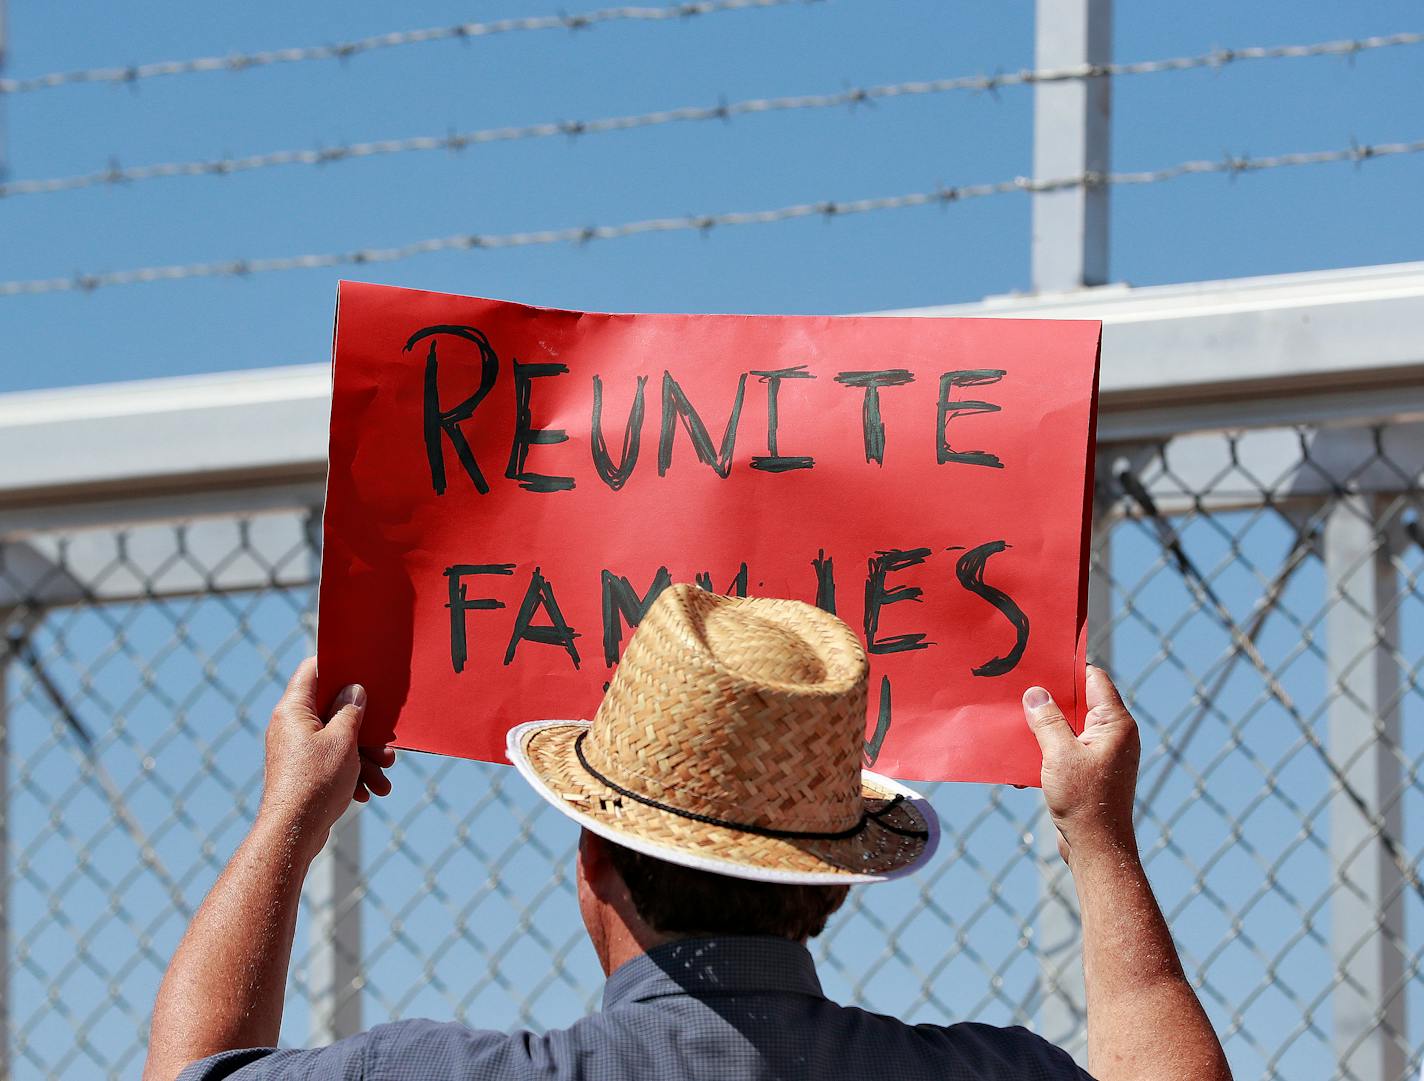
x=1145, y=1022
x=224, y=986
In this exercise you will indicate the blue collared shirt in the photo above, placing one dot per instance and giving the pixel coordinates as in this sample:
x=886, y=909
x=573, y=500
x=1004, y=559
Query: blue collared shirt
x=725, y=1008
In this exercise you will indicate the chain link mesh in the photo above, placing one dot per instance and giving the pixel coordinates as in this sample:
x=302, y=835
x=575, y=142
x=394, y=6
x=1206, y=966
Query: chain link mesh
x=1265, y=619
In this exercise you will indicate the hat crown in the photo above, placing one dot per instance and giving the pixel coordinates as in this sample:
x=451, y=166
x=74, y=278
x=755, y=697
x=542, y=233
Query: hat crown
x=745, y=710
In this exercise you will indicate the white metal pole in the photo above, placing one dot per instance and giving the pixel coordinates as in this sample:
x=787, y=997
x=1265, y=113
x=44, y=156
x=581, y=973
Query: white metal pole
x=1062, y=1010
x=334, y=891
x=1363, y=689
x=5, y=955
x=1070, y=251
x=335, y=888
x=1071, y=129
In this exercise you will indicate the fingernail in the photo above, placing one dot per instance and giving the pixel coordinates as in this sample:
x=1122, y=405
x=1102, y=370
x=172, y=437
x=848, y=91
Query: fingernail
x=354, y=695
x=1036, y=698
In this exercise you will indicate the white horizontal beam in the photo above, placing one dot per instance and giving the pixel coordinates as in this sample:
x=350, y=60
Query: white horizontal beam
x=1246, y=352
x=1240, y=353
x=215, y=441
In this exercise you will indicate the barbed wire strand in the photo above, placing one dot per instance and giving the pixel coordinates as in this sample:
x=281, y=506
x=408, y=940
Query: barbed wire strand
x=456, y=141
x=344, y=50
x=943, y=196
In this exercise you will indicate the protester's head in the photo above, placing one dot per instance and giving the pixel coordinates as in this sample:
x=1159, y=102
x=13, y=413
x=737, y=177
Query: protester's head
x=630, y=901
x=720, y=784
x=673, y=900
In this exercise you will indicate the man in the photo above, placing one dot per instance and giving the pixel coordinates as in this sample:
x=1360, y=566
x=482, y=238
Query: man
x=725, y=816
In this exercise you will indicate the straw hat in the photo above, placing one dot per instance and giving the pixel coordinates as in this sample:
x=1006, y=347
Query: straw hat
x=730, y=740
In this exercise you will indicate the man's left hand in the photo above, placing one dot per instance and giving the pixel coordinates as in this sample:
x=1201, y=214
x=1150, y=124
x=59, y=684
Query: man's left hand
x=314, y=767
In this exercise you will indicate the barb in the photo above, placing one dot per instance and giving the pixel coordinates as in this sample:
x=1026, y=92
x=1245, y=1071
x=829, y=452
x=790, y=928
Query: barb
x=943, y=196
x=346, y=49
x=456, y=141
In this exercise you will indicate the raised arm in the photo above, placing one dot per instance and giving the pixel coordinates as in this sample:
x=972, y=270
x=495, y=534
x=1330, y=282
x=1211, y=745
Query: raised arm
x=223, y=989
x=1144, y=1020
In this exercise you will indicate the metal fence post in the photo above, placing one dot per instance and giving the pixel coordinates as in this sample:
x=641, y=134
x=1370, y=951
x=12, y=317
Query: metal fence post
x=5, y=955
x=1363, y=688
x=334, y=891
x=1062, y=1009
x=1069, y=251
x=1071, y=126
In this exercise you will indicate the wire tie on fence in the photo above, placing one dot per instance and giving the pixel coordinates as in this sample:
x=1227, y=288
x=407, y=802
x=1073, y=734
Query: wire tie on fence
x=1414, y=531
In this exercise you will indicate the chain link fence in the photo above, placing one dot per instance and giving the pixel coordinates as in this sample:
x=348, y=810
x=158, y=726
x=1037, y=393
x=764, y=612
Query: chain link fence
x=1257, y=595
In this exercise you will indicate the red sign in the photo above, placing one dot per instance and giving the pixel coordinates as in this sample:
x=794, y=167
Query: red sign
x=510, y=487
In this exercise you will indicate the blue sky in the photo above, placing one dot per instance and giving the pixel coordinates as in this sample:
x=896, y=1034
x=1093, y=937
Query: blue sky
x=1281, y=221
x=1188, y=229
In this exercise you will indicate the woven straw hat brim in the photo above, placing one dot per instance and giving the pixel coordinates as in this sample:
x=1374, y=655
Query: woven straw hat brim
x=543, y=752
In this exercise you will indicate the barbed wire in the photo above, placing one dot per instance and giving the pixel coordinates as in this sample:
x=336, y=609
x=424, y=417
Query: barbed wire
x=457, y=141
x=344, y=50
x=943, y=196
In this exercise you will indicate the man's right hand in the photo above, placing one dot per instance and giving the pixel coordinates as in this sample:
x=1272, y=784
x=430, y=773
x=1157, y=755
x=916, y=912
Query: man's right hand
x=314, y=768
x=1088, y=779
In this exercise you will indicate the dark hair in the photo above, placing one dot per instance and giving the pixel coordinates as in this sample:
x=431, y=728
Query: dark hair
x=680, y=900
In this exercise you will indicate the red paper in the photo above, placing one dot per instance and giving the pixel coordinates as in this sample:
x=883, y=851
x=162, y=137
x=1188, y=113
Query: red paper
x=962, y=528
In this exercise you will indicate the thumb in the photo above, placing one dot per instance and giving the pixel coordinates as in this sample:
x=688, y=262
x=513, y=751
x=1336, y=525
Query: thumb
x=1046, y=720
x=344, y=718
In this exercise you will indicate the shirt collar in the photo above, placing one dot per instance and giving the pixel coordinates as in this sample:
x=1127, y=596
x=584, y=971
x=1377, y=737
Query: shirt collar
x=707, y=966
